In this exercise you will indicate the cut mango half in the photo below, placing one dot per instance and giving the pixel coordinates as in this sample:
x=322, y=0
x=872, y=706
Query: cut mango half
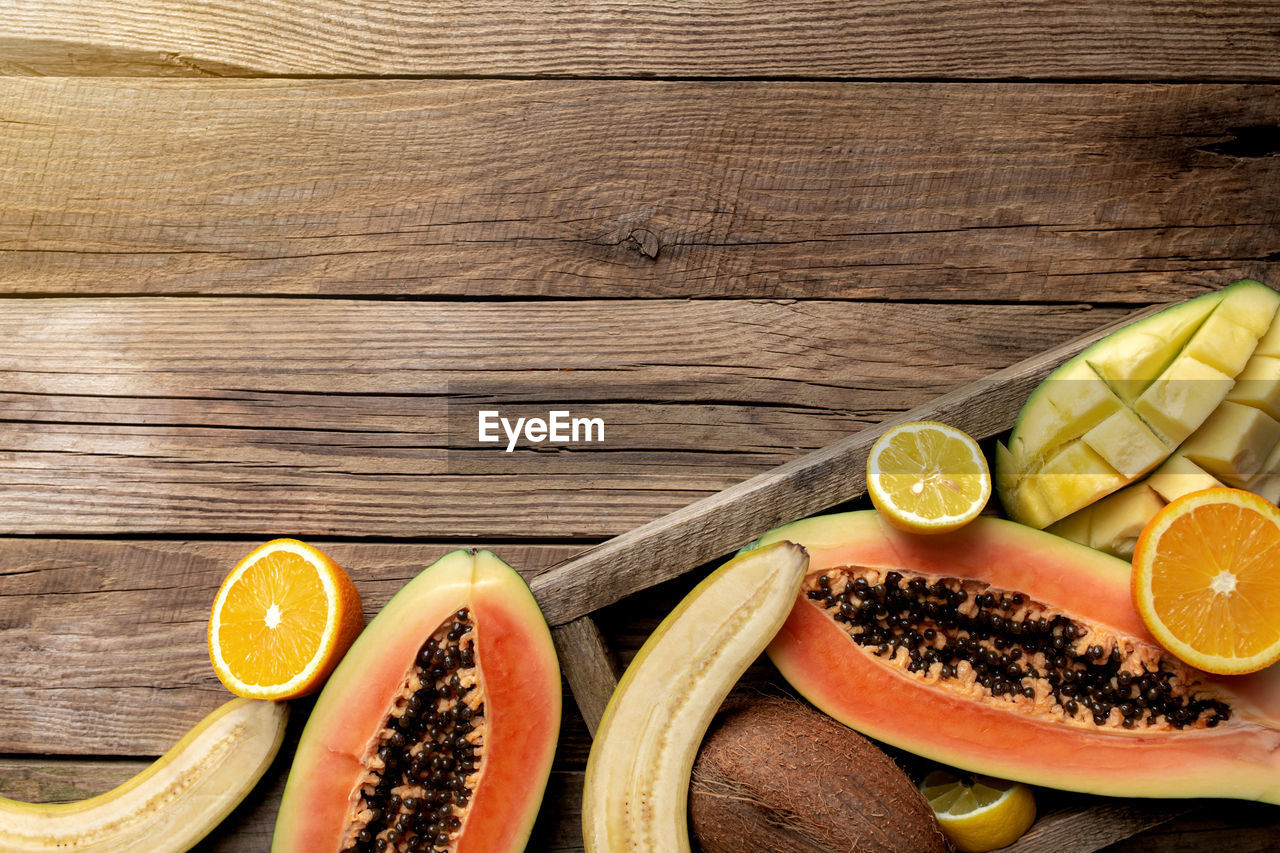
x=1163, y=387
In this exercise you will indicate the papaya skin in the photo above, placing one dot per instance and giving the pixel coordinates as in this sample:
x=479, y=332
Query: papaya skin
x=1239, y=759
x=521, y=678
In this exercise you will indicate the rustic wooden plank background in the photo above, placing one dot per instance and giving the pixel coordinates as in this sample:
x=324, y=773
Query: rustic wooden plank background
x=232, y=309
x=939, y=191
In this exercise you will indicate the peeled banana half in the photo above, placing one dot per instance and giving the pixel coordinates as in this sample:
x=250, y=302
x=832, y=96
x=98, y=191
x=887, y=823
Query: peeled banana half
x=171, y=805
x=636, y=791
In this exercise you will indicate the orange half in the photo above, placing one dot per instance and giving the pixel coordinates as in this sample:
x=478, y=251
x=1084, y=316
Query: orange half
x=283, y=618
x=1206, y=580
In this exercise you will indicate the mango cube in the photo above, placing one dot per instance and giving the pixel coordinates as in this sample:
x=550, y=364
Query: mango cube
x=1022, y=501
x=1267, y=485
x=1131, y=359
x=1258, y=385
x=1028, y=505
x=1269, y=344
x=1251, y=304
x=1222, y=343
x=1075, y=477
x=1180, y=476
x=1267, y=481
x=1118, y=519
x=1044, y=430
x=1178, y=402
x=1233, y=443
x=1126, y=444
x=1072, y=400
x=1079, y=393
x=1075, y=526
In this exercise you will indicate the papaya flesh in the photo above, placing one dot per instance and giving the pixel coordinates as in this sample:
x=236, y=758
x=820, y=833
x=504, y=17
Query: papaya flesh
x=437, y=730
x=1004, y=650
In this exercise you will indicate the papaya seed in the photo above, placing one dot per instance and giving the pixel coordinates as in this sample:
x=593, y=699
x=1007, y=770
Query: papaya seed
x=1009, y=647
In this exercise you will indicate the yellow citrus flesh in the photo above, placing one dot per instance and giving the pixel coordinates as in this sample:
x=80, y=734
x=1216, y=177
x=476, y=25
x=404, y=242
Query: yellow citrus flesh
x=1206, y=580
x=927, y=477
x=980, y=814
x=283, y=618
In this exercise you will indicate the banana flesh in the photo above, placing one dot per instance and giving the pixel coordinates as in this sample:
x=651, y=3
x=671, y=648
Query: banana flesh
x=171, y=805
x=637, y=785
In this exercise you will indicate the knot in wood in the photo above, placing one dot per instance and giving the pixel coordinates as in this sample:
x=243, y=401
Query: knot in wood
x=645, y=242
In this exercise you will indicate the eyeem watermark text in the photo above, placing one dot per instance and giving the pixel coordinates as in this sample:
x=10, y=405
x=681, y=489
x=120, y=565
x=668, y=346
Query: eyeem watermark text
x=559, y=427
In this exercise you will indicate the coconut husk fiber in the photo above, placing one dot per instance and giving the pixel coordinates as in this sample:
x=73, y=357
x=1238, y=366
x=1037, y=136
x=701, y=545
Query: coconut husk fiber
x=776, y=776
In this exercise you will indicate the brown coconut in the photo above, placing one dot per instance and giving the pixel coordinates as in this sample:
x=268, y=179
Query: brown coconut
x=776, y=776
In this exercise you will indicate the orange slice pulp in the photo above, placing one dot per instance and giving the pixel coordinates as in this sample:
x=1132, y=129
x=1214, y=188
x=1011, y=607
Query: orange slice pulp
x=283, y=618
x=1206, y=580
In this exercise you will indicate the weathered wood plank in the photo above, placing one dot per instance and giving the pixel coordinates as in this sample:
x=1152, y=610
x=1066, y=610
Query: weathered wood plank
x=1218, y=827
x=1091, y=39
x=1105, y=193
x=103, y=642
x=327, y=417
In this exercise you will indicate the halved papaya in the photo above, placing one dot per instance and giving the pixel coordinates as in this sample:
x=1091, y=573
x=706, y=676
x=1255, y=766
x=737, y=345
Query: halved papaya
x=437, y=730
x=1005, y=650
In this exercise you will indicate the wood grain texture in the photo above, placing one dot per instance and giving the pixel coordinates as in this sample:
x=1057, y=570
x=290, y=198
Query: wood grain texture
x=938, y=191
x=1091, y=39
x=326, y=417
x=1217, y=827
x=213, y=418
x=111, y=634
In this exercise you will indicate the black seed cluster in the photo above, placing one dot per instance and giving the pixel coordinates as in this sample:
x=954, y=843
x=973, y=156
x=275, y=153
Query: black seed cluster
x=426, y=752
x=997, y=635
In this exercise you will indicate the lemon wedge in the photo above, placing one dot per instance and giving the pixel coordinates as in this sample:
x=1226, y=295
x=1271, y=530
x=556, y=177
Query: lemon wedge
x=927, y=477
x=980, y=814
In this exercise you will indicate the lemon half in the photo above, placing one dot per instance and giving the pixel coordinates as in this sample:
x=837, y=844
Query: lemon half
x=927, y=477
x=980, y=814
